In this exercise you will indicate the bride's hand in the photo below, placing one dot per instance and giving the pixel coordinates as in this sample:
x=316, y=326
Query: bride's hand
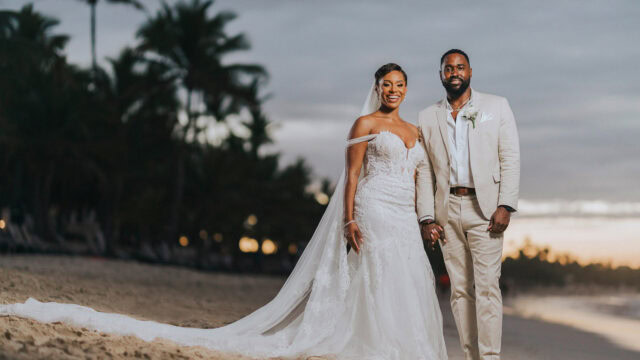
x=354, y=236
x=432, y=233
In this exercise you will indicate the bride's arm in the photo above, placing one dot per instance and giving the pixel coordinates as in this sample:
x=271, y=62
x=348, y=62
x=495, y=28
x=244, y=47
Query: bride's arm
x=354, y=159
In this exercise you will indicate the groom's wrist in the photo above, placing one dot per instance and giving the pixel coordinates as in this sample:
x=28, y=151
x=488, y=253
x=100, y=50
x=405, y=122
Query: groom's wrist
x=426, y=220
x=508, y=208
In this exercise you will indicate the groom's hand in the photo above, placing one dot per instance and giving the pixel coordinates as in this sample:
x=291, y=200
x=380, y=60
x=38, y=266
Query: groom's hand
x=432, y=232
x=499, y=220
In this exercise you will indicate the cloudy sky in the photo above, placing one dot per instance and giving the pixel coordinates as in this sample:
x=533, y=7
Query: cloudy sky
x=568, y=67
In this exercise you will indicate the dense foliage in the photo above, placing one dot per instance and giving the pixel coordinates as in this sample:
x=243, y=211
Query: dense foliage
x=120, y=160
x=532, y=267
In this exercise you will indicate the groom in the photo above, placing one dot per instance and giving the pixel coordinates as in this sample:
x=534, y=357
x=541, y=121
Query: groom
x=466, y=192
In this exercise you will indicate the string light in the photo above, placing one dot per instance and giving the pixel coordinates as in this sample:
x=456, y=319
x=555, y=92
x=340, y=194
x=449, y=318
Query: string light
x=252, y=220
x=184, y=241
x=293, y=249
x=322, y=198
x=248, y=245
x=269, y=247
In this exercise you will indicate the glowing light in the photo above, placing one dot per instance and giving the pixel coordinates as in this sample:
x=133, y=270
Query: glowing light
x=269, y=247
x=252, y=220
x=217, y=237
x=322, y=198
x=248, y=245
x=293, y=249
x=203, y=234
x=184, y=241
x=3, y=224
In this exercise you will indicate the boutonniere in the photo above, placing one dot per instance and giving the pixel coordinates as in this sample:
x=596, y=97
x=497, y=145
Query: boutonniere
x=471, y=115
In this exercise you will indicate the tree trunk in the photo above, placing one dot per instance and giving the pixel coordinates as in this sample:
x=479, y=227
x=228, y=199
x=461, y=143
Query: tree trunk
x=112, y=222
x=178, y=190
x=93, y=37
x=178, y=193
x=45, y=228
x=48, y=181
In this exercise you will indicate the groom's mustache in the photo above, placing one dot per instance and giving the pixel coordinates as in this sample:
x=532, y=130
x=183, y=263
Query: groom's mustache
x=454, y=78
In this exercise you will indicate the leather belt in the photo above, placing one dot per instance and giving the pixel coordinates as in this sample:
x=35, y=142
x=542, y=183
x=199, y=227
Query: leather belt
x=462, y=191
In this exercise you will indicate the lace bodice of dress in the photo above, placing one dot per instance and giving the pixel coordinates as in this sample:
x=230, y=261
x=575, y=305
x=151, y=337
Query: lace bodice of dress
x=388, y=156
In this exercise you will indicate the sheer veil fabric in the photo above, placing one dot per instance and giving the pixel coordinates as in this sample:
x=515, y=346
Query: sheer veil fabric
x=318, y=310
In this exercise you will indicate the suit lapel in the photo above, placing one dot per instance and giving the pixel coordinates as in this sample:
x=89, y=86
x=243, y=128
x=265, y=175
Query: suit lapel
x=473, y=134
x=472, y=147
x=441, y=115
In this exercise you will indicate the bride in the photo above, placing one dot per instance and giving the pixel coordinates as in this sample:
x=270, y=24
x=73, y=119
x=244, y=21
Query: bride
x=376, y=301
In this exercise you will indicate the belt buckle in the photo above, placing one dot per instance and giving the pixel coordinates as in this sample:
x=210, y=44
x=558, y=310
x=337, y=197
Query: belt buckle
x=461, y=191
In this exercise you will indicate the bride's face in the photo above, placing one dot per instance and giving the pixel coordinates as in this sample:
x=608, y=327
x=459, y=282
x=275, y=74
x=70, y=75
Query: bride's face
x=392, y=89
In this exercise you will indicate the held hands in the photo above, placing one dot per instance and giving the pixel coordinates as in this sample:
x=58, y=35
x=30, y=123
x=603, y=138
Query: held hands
x=354, y=236
x=499, y=220
x=432, y=233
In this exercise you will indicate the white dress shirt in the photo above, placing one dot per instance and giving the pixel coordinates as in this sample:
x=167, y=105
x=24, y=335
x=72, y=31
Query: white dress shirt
x=458, y=131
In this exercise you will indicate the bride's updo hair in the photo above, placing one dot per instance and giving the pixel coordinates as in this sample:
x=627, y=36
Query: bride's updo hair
x=387, y=68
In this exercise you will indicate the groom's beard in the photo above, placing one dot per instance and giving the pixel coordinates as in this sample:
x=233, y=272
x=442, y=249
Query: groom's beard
x=453, y=91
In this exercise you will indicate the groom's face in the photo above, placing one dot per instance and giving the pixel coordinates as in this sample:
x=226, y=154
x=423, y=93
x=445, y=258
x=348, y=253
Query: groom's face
x=455, y=74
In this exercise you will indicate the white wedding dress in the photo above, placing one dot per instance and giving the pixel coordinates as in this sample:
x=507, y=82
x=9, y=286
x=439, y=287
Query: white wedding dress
x=379, y=304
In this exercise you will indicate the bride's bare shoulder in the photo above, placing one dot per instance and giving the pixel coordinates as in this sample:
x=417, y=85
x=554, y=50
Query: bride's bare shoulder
x=370, y=119
x=362, y=126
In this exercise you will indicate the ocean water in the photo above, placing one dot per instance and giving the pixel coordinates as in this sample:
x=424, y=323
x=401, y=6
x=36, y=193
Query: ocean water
x=626, y=306
x=613, y=316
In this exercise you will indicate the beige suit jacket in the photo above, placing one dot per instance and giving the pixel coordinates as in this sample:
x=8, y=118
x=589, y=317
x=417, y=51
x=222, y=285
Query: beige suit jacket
x=494, y=154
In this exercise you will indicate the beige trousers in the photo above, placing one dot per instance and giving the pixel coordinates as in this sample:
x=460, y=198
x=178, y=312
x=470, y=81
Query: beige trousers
x=473, y=256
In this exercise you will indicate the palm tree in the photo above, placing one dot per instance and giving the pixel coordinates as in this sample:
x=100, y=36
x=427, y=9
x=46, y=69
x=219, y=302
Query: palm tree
x=92, y=4
x=29, y=30
x=259, y=123
x=37, y=109
x=138, y=107
x=192, y=44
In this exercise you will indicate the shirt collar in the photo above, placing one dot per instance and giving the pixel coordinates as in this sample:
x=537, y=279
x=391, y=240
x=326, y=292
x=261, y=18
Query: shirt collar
x=448, y=107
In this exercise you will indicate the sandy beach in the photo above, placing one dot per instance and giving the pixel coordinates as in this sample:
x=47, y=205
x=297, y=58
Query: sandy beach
x=190, y=298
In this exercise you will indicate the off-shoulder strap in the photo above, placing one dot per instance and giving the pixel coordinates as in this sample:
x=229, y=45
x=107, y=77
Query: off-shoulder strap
x=361, y=139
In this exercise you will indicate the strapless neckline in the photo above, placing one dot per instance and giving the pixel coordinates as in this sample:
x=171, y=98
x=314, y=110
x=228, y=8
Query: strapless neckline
x=397, y=137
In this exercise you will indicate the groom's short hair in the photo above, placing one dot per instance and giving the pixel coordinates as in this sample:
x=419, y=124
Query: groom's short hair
x=454, y=51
